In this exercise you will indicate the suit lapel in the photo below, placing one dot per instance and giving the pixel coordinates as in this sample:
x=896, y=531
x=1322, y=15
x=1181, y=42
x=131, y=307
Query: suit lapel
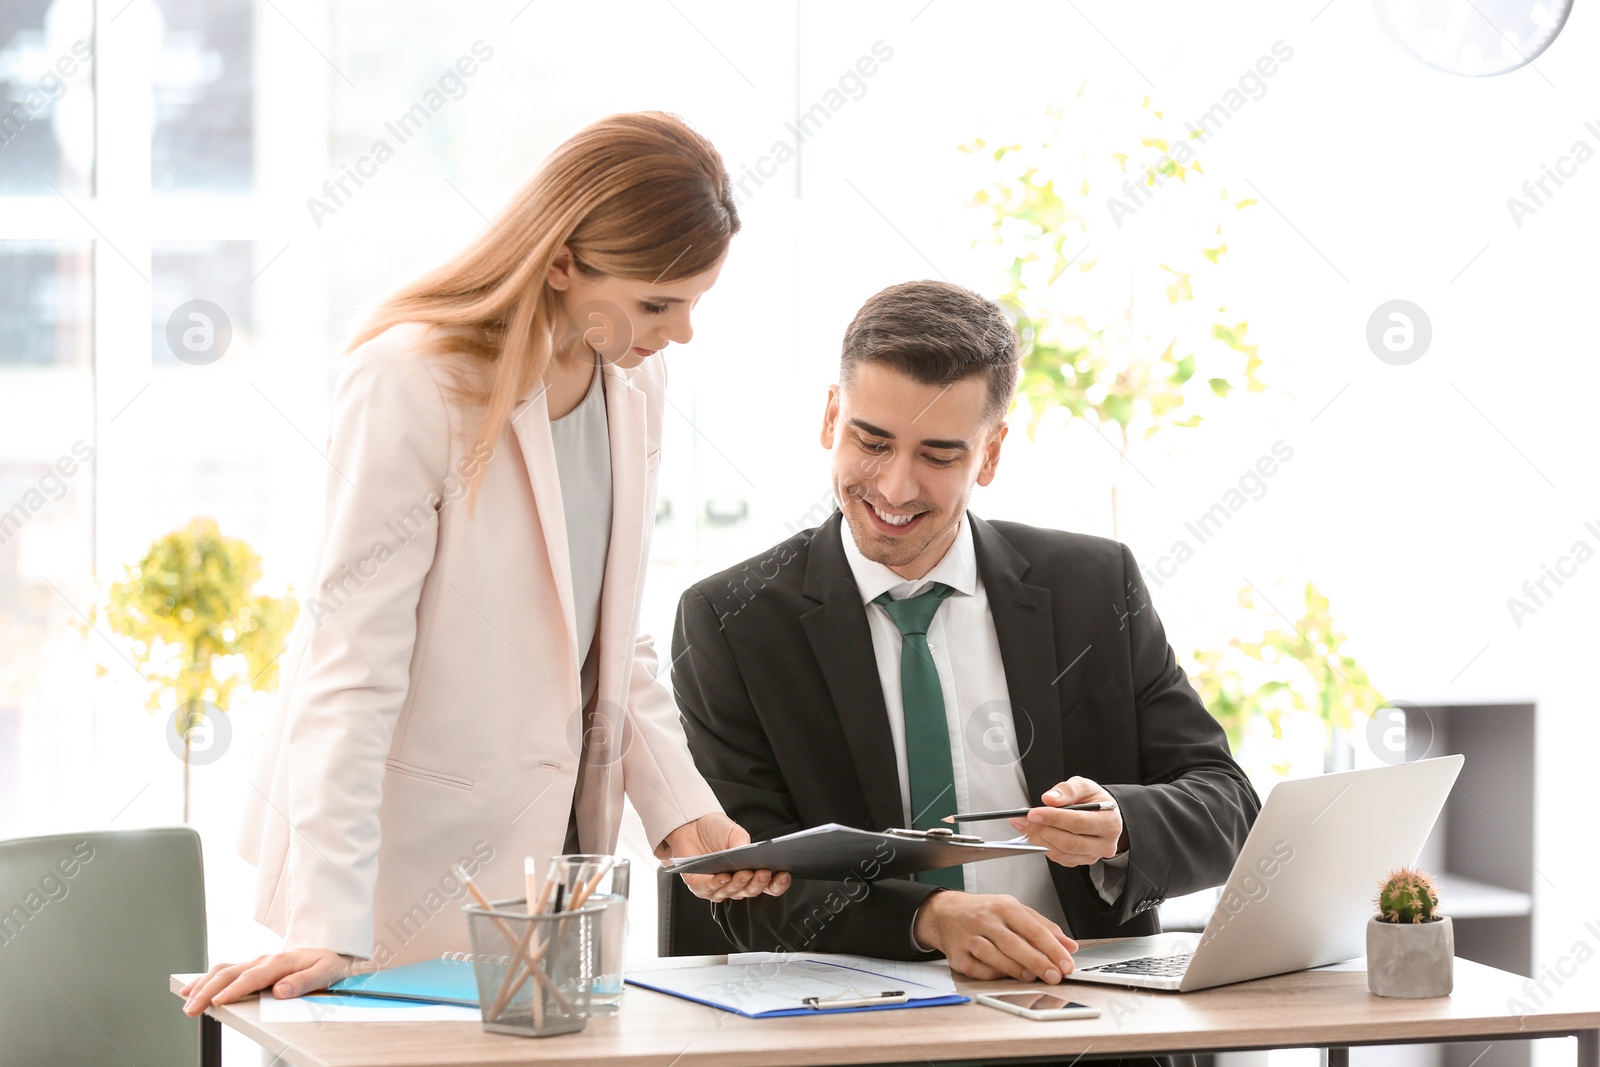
x=842, y=643
x=1024, y=626
x=625, y=421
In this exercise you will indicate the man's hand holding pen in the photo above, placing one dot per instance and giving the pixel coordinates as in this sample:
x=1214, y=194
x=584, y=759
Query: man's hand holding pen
x=1075, y=838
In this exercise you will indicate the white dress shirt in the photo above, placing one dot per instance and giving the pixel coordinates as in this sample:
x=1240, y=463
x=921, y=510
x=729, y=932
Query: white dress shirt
x=977, y=706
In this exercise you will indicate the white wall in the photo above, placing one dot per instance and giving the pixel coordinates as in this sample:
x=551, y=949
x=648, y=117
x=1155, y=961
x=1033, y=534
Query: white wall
x=1419, y=499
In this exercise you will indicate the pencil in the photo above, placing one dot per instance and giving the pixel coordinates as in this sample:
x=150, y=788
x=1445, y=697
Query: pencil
x=1017, y=813
x=536, y=902
x=515, y=974
x=587, y=890
x=518, y=945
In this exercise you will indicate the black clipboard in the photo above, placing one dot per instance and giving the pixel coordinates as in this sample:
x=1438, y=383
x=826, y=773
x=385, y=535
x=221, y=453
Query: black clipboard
x=836, y=852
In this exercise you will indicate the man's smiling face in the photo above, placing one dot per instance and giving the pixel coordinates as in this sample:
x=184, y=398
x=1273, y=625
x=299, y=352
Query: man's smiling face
x=905, y=459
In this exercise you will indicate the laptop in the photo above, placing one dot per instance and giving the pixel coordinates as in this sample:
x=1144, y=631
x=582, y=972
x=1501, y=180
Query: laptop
x=1303, y=886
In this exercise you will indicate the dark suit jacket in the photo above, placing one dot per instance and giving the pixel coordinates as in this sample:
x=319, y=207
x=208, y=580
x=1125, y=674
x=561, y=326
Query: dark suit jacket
x=775, y=676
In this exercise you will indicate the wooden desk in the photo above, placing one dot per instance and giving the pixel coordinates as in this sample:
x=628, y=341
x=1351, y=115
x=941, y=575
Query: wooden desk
x=1326, y=1009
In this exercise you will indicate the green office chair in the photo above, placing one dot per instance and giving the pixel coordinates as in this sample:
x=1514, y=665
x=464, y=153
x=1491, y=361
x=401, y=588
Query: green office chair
x=91, y=925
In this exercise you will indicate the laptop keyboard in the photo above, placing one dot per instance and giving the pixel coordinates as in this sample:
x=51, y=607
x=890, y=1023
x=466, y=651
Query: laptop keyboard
x=1153, y=966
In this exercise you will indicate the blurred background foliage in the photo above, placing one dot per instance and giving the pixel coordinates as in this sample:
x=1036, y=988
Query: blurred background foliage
x=1107, y=228
x=188, y=619
x=1110, y=239
x=1257, y=684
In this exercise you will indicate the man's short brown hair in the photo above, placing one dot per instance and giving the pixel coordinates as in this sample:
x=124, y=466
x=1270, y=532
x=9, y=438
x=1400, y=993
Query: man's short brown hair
x=937, y=334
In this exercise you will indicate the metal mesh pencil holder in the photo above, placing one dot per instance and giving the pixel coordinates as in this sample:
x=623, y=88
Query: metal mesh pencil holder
x=534, y=972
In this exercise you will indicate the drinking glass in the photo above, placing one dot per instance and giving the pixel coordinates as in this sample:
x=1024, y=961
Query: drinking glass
x=605, y=880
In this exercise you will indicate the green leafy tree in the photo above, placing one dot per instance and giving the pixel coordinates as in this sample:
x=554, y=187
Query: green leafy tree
x=197, y=632
x=1108, y=234
x=1292, y=669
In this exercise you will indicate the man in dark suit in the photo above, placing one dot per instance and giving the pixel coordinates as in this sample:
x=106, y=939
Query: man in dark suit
x=905, y=659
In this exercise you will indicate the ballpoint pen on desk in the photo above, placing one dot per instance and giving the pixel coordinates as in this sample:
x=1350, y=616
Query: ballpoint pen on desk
x=851, y=999
x=1017, y=813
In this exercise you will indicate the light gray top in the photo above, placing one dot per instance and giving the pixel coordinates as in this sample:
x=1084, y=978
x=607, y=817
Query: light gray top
x=583, y=458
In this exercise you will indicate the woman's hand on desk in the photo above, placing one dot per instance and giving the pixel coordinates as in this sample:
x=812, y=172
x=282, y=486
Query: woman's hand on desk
x=714, y=833
x=288, y=974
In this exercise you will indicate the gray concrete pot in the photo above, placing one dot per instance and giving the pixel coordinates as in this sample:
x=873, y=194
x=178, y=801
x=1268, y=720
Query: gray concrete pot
x=1411, y=959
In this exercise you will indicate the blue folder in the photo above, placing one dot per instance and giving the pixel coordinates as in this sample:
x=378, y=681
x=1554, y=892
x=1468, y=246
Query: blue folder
x=427, y=982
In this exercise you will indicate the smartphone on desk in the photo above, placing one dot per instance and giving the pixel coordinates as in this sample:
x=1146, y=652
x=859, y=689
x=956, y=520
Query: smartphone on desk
x=1038, y=1005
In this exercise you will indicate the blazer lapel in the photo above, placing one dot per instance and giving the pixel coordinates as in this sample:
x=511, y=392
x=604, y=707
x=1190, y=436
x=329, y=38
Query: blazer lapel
x=619, y=595
x=842, y=643
x=606, y=738
x=531, y=426
x=1024, y=626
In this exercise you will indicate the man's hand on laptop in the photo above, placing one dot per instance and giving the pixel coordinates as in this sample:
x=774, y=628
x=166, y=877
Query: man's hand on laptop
x=1074, y=838
x=989, y=936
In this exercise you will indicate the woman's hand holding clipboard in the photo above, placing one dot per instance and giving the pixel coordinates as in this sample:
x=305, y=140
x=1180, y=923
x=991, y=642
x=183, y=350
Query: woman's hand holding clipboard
x=718, y=833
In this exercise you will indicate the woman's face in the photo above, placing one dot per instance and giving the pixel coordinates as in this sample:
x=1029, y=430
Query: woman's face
x=623, y=320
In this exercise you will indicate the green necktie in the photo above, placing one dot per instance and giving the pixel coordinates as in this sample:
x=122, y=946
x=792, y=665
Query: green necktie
x=928, y=762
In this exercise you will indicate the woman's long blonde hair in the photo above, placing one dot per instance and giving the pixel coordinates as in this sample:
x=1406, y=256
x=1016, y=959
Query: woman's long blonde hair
x=638, y=196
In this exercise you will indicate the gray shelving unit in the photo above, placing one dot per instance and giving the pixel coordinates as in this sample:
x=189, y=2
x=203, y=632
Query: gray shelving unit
x=1482, y=853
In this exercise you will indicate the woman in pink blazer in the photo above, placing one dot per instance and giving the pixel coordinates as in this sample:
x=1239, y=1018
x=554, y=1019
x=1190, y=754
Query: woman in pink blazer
x=469, y=686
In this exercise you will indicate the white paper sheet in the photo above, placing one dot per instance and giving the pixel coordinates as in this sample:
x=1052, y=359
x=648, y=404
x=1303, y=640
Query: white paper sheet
x=337, y=1009
x=756, y=982
x=934, y=974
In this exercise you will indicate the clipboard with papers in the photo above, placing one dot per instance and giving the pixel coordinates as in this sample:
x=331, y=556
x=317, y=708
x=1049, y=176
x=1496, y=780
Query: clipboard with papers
x=769, y=985
x=836, y=852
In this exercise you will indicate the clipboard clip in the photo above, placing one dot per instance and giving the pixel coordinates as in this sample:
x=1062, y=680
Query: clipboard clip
x=851, y=999
x=937, y=833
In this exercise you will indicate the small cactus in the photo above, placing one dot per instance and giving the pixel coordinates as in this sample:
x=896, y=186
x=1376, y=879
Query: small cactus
x=1407, y=896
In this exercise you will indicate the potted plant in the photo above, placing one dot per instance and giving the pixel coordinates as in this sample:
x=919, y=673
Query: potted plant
x=1411, y=948
x=191, y=621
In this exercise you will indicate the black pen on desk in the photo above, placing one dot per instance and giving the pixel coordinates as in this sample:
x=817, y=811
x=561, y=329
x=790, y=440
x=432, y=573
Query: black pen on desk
x=1017, y=813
